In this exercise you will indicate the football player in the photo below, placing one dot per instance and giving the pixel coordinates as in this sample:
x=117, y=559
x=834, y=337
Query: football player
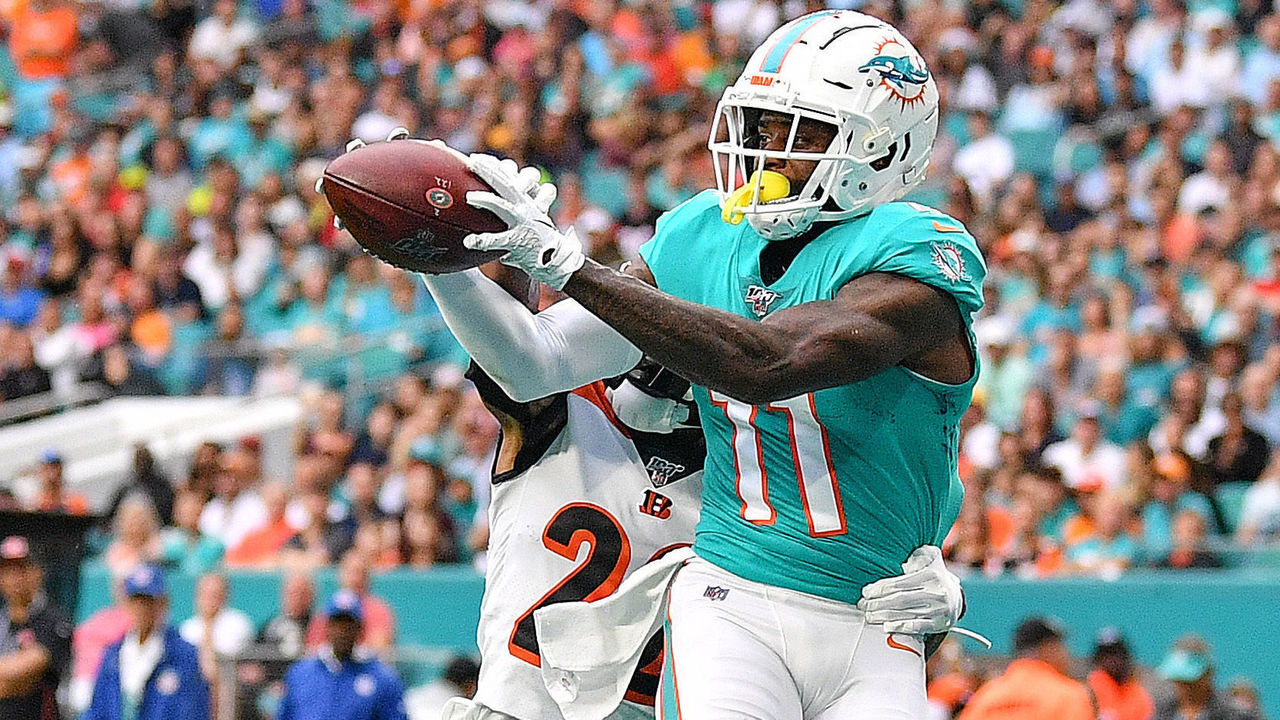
x=588, y=485
x=829, y=341
x=620, y=467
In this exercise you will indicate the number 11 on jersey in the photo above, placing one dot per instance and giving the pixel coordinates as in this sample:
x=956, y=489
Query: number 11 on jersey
x=810, y=454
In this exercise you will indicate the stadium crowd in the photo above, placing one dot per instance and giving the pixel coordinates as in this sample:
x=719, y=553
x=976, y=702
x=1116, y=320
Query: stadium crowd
x=1119, y=160
x=162, y=234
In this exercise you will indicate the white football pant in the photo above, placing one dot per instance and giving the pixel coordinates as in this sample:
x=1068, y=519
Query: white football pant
x=741, y=650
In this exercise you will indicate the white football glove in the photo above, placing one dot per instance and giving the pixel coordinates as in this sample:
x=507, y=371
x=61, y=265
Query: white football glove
x=531, y=242
x=924, y=600
x=641, y=411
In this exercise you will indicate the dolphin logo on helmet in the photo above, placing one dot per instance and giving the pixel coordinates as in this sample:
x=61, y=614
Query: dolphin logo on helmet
x=897, y=70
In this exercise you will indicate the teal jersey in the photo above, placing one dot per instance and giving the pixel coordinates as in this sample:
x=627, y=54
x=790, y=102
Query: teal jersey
x=825, y=492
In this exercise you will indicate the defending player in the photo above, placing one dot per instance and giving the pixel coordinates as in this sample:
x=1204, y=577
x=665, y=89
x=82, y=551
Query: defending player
x=831, y=347
x=571, y=480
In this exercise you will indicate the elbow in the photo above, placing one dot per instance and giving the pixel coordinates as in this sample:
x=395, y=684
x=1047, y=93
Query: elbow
x=526, y=390
x=764, y=384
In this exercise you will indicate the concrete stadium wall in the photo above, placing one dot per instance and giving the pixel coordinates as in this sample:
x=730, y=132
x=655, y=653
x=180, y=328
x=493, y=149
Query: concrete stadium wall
x=1236, y=611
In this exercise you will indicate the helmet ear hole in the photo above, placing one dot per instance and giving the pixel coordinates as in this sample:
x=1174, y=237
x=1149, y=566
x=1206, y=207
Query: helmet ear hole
x=885, y=160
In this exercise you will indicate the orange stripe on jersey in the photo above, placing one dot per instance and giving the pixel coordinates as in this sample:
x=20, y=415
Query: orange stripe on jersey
x=595, y=393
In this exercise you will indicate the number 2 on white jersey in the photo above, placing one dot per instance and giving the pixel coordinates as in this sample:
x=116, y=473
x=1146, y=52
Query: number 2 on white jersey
x=810, y=452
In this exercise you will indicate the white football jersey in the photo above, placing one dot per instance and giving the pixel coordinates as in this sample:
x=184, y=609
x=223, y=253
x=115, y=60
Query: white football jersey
x=587, y=502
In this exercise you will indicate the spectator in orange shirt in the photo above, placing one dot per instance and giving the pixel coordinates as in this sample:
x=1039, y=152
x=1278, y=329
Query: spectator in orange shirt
x=261, y=547
x=1119, y=694
x=54, y=497
x=378, y=631
x=1035, y=686
x=151, y=329
x=43, y=39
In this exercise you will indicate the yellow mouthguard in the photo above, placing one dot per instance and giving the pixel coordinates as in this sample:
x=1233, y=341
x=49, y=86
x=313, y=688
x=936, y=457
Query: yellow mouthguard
x=773, y=186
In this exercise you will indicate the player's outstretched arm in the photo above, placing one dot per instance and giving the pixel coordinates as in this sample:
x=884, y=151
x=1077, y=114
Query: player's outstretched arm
x=875, y=322
x=529, y=355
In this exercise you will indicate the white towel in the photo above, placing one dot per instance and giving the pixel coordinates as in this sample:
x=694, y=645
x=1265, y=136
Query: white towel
x=590, y=650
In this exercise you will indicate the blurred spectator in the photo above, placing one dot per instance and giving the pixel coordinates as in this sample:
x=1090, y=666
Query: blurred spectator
x=429, y=532
x=35, y=638
x=152, y=674
x=1114, y=682
x=21, y=376
x=339, y=682
x=986, y=162
x=53, y=495
x=183, y=546
x=358, y=496
x=1109, y=549
x=90, y=640
x=328, y=436
x=135, y=538
x=1239, y=454
x=216, y=623
x=1036, y=684
x=1006, y=374
x=236, y=509
x=121, y=374
x=374, y=443
x=57, y=348
x=1189, y=666
x=378, y=624
x=1169, y=497
x=19, y=301
x=1190, y=543
x=458, y=680
x=1242, y=694
x=147, y=482
x=286, y=632
x=320, y=541
x=222, y=37
x=1086, y=459
x=261, y=547
x=43, y=39
x=1259, y=521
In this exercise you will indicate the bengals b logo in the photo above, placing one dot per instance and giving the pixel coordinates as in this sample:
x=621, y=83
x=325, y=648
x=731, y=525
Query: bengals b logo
x=656, y=504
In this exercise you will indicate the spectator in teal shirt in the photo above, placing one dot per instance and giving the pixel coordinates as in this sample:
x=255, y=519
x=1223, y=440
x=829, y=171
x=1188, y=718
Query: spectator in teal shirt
x=1109, y=550
x=1169, y=497
x=1122, y=421
x=261, y=154
x=183, y=547
x=220, y=133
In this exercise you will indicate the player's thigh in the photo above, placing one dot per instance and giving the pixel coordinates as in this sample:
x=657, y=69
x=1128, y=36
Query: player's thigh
x=884, y=681
x=722, y=661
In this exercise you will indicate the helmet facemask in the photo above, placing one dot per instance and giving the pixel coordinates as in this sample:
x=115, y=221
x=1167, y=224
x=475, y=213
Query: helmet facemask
x=737, y=154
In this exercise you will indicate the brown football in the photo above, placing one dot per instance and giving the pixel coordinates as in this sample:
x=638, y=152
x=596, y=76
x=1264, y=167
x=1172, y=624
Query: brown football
x=405, y=201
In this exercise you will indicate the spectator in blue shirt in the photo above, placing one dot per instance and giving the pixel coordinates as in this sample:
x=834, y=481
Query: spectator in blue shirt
x=19, y=302
x=152, y=674
x=340, y=682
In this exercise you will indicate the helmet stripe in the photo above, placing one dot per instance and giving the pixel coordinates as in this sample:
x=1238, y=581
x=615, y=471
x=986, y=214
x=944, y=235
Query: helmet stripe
x=773, y=61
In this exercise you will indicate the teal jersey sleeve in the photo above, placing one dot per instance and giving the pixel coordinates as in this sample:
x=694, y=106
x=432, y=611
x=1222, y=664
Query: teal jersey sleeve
x=680, y=236
x=932, y=247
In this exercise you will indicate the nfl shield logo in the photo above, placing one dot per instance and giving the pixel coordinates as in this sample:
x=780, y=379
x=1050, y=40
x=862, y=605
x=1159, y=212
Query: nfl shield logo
x=662, y=471
x=760, y=298
x=715, y=592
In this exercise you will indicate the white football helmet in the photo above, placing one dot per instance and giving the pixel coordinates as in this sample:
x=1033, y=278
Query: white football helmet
x=846, y=69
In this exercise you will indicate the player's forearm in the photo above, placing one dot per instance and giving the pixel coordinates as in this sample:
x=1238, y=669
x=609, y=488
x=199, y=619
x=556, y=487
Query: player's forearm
x=529, y=356
x=745, y=359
